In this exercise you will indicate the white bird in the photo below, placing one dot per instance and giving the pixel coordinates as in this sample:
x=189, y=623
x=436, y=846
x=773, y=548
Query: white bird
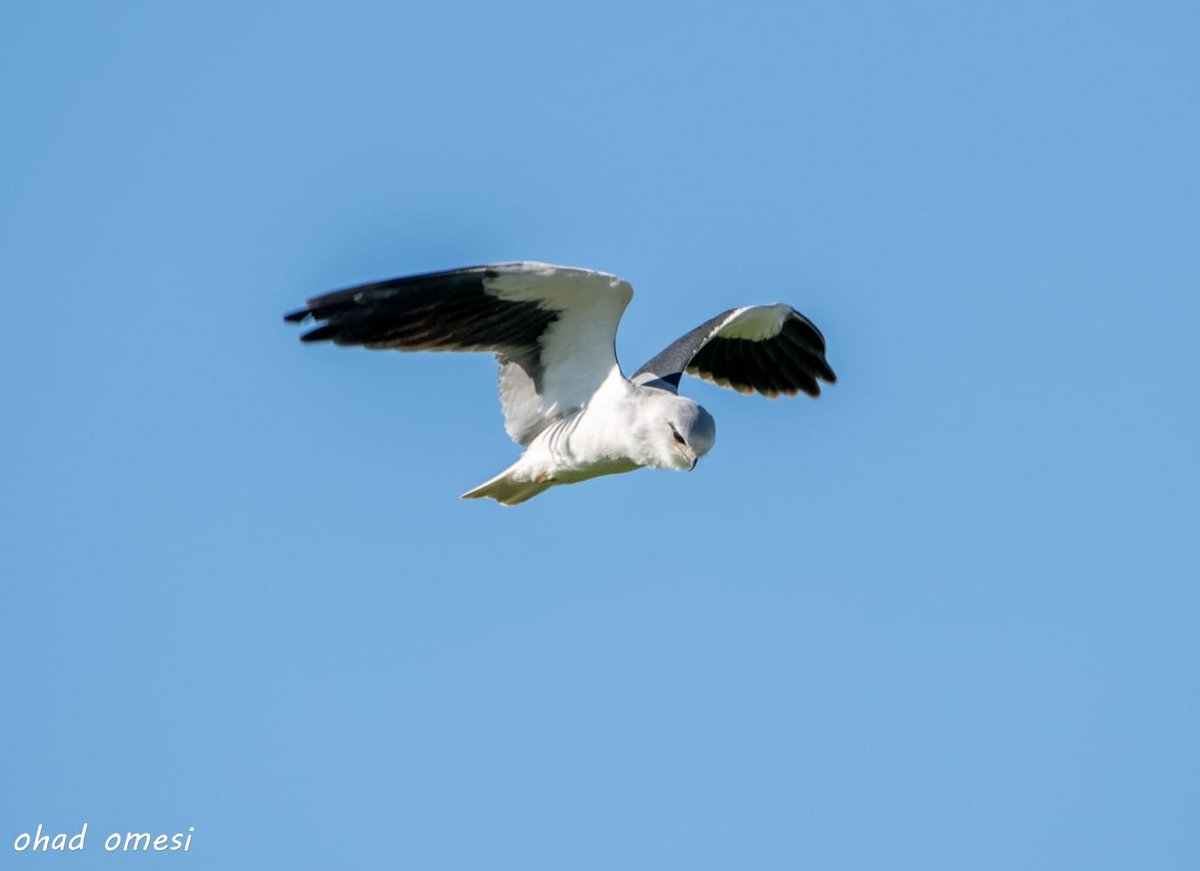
x=565, y=400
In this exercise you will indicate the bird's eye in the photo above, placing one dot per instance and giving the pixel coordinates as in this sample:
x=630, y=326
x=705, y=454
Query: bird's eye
x=679, y=440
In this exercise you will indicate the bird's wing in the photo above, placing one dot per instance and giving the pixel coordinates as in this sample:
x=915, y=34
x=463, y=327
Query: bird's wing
x=552, y=328
x=771, y=349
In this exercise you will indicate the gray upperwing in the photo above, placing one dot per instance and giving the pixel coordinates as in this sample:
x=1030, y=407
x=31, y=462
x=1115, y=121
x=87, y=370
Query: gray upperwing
x=768, y=349
x=666, y=367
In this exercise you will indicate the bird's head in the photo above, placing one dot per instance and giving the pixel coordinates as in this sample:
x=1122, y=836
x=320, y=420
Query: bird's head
x=680, y=434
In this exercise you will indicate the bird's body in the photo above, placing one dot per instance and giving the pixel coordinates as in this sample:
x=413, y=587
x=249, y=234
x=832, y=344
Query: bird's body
x=614, y=432
x=564, y=396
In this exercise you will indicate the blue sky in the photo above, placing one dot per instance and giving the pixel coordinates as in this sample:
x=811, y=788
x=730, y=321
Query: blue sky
x=943, y=617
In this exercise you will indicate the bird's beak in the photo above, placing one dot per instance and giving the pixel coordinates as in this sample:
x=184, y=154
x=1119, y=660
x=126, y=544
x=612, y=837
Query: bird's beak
x=691, y=455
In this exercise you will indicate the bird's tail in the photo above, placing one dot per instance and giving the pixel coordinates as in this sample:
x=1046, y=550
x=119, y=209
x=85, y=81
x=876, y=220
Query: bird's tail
x=506, y=490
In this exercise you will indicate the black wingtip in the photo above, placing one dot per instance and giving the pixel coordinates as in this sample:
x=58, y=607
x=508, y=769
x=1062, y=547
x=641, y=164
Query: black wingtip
x=824, y=370
x=323, y=333
x=296, y=316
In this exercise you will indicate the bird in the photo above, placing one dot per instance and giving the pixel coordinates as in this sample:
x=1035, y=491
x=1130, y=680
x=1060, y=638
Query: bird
x=564, y=397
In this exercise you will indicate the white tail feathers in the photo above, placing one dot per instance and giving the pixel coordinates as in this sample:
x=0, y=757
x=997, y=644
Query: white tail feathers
x=507, y=491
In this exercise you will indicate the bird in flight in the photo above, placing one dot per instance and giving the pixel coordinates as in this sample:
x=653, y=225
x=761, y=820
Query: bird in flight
x=565, y=399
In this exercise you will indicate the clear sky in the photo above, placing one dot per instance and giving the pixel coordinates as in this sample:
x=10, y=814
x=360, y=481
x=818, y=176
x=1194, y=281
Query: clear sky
x=944, y=617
